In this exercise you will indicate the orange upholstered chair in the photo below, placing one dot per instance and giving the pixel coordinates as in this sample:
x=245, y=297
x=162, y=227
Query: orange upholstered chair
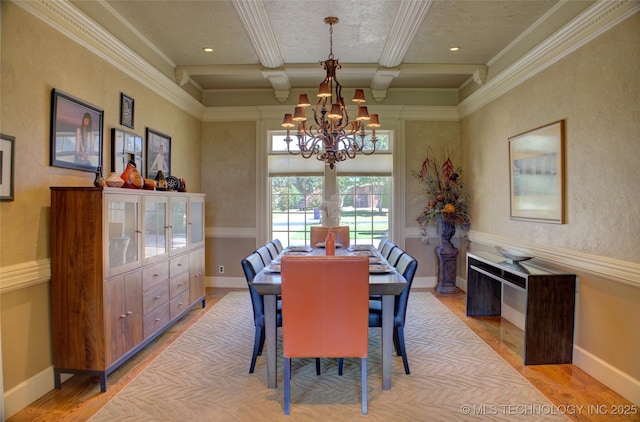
x=325, y=311
x=319, y=233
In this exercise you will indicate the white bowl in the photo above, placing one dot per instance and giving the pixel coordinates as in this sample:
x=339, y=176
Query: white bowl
x=513, y=254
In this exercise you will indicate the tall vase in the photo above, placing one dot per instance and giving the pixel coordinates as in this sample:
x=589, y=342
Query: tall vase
x=447, y=257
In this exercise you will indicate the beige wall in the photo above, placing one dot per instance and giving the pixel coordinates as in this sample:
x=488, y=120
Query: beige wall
x=596, y=90
x=35, y=59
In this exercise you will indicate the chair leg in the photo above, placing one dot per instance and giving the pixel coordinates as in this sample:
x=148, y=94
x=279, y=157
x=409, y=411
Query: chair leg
x=318, y=366
x=363, y=382
x=403, y=350
x=340, y=365
x=287, y=385
x=257, y=347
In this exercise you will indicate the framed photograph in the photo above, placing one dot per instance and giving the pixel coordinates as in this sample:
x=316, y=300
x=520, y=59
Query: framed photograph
x=76, y=133
x=125, y=147
x=158, y=154
x=126, y=110
x=536, y=167
x=7, y=154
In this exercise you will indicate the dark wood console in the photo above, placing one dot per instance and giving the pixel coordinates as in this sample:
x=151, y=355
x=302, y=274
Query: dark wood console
x=549, y=305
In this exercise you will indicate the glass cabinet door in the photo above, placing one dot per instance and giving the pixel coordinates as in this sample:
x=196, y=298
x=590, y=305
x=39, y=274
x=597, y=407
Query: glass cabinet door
x=122, y=232
x=156, y=227
x=178, y=226
x=196, y=221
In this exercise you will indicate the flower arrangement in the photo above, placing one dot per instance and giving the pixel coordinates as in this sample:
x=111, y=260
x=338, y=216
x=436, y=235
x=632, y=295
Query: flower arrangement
x=445, y=192
x=330, y=212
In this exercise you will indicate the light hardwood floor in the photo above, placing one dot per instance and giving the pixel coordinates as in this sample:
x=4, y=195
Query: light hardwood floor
x=567, y=386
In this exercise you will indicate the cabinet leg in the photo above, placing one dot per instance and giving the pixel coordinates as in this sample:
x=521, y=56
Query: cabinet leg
x=56, y=379
x=103, y=382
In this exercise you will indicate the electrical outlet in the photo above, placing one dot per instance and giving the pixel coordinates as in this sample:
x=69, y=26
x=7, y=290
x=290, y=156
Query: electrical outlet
x=221, y=269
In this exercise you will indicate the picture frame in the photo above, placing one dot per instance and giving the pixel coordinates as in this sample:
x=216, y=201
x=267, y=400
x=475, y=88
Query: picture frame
x=536, y=174
x=126, y=110
x=125, y=147
x=158, y=153
x=7, y=159
x=72, y=145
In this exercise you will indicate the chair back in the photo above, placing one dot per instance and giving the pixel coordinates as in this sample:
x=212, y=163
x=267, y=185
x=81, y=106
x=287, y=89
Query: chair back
x=264, y=254
x=382, y=243
x=252, y=265
x=273, y=252
x=407, y=266
x=278, y=244
x=394, y=256
x=386, y=249
x=325, y=306
x=319, y=233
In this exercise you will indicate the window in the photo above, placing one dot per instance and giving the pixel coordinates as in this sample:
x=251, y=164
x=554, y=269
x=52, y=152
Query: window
x=296, y=188
x=294, y=207
x=365, y=207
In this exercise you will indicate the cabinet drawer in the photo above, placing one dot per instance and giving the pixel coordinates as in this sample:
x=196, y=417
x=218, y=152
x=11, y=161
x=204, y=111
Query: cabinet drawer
x=156, y=320
x=178, y=285
x=179, y=304
x=179, y=265
x=155, y=274
x=155, y=296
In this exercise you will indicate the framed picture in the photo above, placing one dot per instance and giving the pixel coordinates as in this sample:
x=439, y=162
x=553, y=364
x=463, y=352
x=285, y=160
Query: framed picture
x=126, y=110
x=125, y=147
x=76, y=133
x=7, y=154
x=536, y=166
x=158, y=154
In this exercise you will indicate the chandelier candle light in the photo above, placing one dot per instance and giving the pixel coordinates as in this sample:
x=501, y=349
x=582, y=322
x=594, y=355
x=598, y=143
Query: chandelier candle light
x=333, y=137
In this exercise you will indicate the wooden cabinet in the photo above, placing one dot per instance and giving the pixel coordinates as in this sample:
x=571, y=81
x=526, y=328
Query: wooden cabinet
x=549, y=303
x=123, y=268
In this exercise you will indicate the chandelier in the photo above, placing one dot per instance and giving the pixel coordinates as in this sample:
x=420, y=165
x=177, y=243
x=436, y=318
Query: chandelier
x=333, y=137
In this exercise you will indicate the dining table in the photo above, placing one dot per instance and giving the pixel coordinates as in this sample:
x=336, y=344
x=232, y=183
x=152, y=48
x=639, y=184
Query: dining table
x=383, y=281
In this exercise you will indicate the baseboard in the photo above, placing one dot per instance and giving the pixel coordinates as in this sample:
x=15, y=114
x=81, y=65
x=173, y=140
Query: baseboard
x=226, y=282
x=513, y=316
x=620, y=382
x=424, y=282
x=28, y=391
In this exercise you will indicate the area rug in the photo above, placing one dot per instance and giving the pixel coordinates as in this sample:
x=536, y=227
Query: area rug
x=203, y=376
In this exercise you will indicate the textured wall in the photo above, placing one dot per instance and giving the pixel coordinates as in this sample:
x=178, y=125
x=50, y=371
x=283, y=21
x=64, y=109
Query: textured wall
x=596, y=90
x=35, y=59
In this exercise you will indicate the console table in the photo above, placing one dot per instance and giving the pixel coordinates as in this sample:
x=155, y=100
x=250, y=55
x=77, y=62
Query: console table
x=549, y=305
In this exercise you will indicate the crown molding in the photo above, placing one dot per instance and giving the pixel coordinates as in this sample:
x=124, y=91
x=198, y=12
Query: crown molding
x=600, y=17
x=249, y=113
x=68, y=20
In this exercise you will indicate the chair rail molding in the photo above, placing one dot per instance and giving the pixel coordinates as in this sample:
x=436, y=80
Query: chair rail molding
x=614, y=269
x=23, y=275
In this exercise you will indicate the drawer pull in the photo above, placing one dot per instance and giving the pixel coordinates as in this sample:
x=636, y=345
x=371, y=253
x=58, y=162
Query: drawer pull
x=157, y=320
x=179, y=265
x=129, y=313
x=157, y=298
x=156, y=275
x=123, y=316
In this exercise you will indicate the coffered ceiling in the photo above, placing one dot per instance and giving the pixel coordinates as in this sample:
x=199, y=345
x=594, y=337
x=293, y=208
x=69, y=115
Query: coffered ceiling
x=381, y=44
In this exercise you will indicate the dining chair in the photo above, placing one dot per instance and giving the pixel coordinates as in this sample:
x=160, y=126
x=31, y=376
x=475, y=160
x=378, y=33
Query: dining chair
x=265, y=255
x=252, y=265
x=278, y=244
x=273, y=251
x=407, y=266
x=387, y=248
x=318, y=234
x=382, y=243
x=394, y=256
x=324, y=312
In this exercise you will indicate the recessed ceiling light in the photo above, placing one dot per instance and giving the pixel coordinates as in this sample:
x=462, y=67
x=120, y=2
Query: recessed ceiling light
x=208, y=49
x=454, y=48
